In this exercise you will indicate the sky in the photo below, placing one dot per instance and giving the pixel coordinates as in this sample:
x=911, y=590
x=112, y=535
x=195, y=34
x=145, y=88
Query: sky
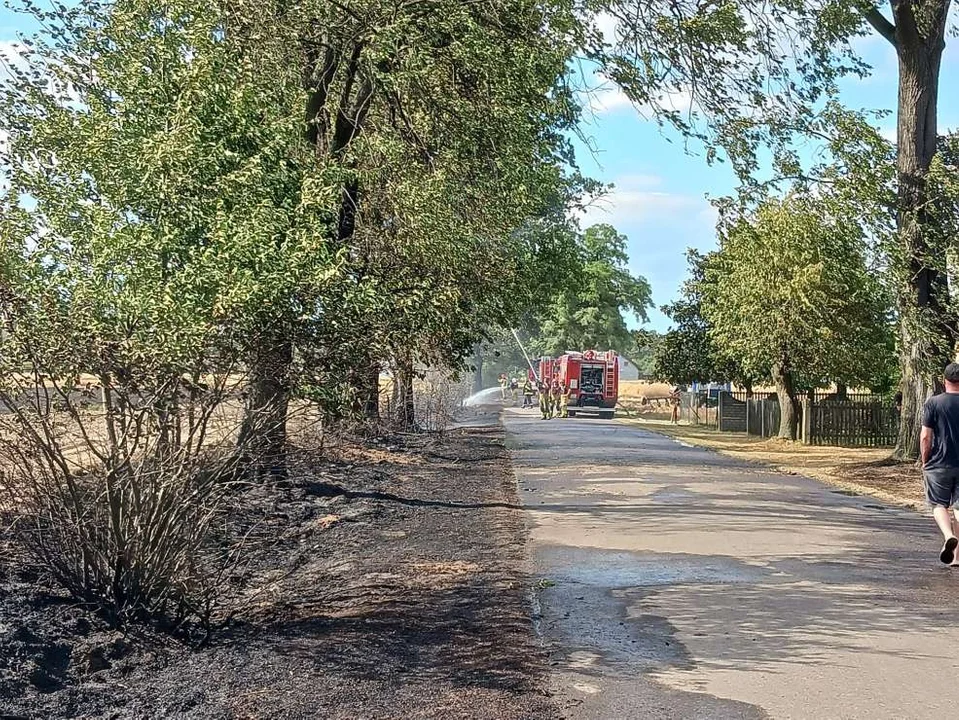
x=662, y=185
x=660, y=198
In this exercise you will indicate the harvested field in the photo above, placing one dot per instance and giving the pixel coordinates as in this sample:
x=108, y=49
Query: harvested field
x=637, y=389
x=393, y=588
x=648, y=400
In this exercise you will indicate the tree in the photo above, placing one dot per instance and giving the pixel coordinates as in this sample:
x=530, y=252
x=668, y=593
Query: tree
x=646, y=344
x=389, y=225
x=789, y=295
x=151, y=217
x=169, y=218
x=927, y=329
x=590, y=313
x=687, y=353
x=444, y=123
x=757, y=72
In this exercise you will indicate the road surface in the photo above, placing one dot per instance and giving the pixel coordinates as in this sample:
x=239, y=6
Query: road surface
x=678, y=583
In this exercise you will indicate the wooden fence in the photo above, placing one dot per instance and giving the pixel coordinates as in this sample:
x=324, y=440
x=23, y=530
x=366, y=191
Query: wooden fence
x=858, y=420
x=698, y=408
x=872, y=422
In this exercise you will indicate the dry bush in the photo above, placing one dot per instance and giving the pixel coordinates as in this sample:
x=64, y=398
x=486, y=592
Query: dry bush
x=124, y=493
x=438, y=398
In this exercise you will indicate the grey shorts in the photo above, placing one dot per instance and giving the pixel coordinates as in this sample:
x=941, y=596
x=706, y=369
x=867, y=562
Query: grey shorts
x=942, y=486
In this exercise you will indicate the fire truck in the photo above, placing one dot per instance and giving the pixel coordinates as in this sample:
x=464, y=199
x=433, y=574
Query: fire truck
x=592, y=379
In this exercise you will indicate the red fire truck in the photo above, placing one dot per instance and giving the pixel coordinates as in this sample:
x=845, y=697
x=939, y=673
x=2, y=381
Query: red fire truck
x=592, y=379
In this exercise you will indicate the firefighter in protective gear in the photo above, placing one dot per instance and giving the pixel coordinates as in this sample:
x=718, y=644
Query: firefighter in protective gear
x=528, y=392
x=564, y=402
x=545, y=401
x=556, y=391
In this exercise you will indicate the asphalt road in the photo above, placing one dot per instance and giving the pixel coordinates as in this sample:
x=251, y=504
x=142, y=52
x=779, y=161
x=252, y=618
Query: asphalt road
x=678, y=583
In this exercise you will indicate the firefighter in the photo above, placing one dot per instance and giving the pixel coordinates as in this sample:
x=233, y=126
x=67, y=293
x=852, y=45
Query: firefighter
x=564, y=401
x=556, y=393
x=503, y=382
x=544, y=401
x=514, y=389
x=528, y=392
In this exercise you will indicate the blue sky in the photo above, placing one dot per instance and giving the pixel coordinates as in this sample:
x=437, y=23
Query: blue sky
x=661, y=187
x=660, y=196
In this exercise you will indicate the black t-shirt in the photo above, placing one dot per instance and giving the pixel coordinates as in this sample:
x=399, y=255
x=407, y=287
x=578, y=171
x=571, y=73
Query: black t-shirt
x=941, y=413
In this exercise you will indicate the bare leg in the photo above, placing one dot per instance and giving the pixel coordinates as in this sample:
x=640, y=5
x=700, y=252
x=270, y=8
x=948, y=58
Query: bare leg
x=955, y=531
x=944, y=521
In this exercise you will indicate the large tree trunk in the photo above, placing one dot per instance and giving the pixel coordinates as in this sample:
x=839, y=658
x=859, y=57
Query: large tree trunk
x=786, y=392
x=364, y=378
x=263, y=433
x=372, y=409
x=262, y=440
x=926, y=328
x=407, y=407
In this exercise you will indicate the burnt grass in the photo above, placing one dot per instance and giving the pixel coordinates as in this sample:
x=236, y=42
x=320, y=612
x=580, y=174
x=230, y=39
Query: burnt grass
x=386, y=582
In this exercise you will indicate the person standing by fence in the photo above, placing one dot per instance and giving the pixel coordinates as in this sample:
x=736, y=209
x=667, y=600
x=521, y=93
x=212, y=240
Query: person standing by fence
x=674, y=400
x=939, y=454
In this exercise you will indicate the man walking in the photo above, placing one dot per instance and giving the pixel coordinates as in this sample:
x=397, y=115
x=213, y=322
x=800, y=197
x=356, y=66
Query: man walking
x=939, y=449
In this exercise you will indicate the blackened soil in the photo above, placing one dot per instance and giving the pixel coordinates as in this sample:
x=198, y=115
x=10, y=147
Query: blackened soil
x=393, y=589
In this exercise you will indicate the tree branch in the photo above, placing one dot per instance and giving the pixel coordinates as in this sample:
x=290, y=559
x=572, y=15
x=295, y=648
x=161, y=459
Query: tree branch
x=880, y=23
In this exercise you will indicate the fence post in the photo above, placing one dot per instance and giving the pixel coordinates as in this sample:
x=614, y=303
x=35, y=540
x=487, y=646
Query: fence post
x=762, y=418
x=806, y=421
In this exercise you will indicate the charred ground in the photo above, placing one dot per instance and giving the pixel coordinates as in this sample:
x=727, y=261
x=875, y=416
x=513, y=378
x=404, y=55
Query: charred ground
x=388, y=582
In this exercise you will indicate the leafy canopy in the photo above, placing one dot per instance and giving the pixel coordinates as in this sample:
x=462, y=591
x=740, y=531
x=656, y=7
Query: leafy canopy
x=687, y=353
x=589, y=313
x=790, y=286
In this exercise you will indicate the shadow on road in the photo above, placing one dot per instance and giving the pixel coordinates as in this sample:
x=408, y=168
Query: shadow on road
x=670, y=560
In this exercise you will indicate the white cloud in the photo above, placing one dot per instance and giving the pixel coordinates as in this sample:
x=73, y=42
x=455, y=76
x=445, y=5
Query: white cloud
x=606, y=25
x=636, y=200
x=10, y=57
x=602, y=96
x=680, y=101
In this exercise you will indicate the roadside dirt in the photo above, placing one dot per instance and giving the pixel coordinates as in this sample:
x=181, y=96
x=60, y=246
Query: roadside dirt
x=857, y=471
x=393, y=588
